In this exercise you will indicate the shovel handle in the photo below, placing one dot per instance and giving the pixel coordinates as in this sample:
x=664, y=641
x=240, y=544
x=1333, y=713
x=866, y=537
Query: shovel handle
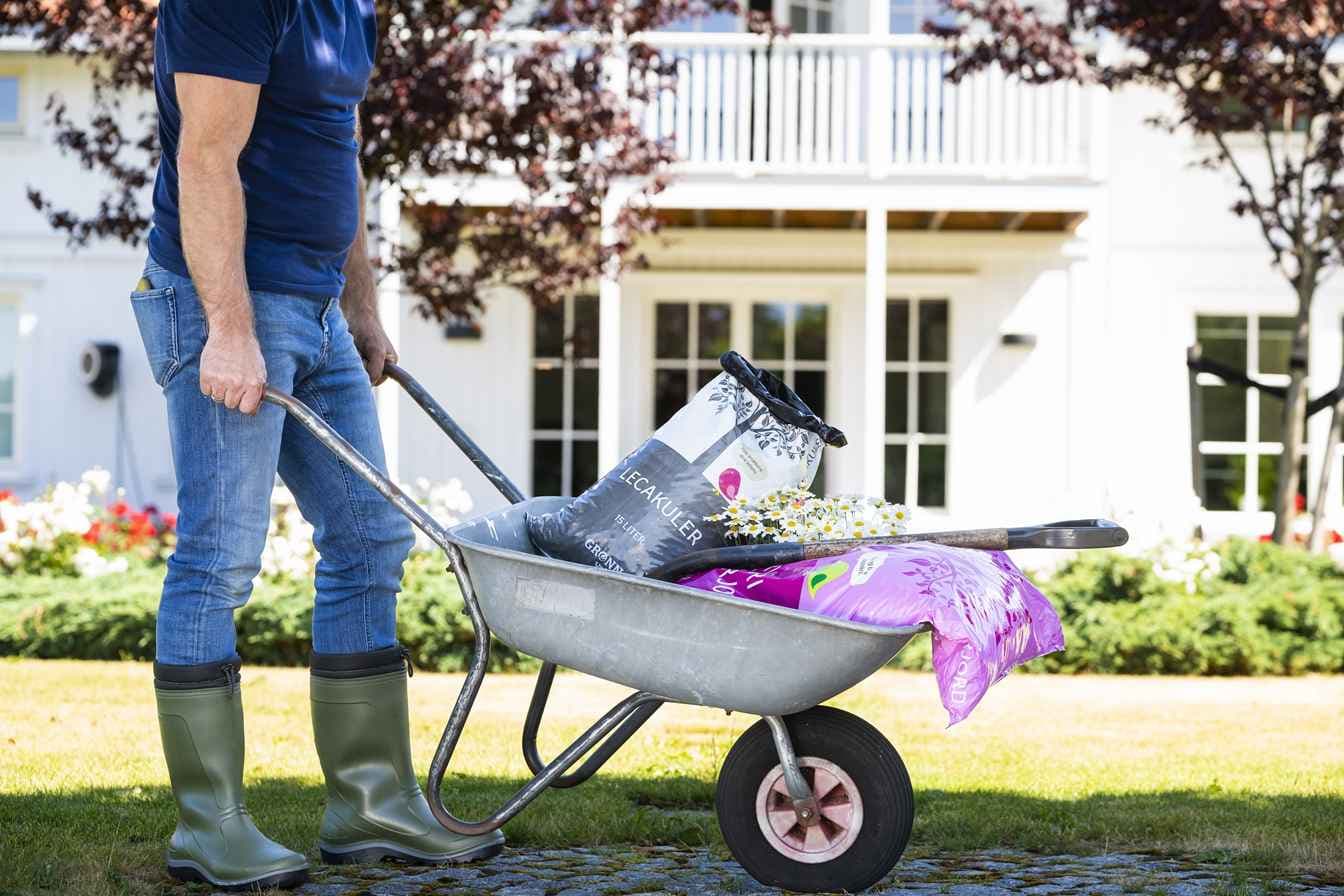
x=1064, y=535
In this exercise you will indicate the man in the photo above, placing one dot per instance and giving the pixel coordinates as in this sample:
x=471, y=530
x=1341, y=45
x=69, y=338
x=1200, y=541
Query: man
x=258, y=274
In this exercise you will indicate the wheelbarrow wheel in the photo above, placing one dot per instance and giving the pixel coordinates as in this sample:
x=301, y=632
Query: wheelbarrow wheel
x=867, y=806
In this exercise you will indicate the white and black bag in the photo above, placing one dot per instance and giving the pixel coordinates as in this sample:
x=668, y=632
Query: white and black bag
x=744, y=434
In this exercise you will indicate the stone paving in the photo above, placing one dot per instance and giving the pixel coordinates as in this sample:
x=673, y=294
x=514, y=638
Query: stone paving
x=690, y=872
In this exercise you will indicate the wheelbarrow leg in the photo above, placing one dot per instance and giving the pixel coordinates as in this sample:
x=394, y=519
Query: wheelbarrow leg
x=452, y=732
x=804, y=801
x=614, y=741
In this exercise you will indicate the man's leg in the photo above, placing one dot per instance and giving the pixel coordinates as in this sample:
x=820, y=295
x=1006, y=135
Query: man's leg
x=375, y=808
x=225, y=463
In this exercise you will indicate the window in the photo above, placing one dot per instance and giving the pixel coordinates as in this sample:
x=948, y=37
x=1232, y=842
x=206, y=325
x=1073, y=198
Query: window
x=917, y=399
x=909, y=16
x=9, y=345
x=688, y=339
x=1236, y=429
x=564, y=397
x=788, y=339
x=9, y=102
x=812, y=16
x=713, y=22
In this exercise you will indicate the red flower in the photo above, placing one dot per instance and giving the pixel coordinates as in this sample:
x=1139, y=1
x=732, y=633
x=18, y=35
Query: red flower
x=6, y=495
x=1300, y=503
x=169, y=521
x=95, y=532
x=141, y=527
x=119, y=509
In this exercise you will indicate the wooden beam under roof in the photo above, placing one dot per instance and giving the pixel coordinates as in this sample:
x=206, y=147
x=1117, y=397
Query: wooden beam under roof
x=931, y=221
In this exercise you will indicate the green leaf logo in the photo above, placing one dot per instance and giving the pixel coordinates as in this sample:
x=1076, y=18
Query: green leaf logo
x=819, y=577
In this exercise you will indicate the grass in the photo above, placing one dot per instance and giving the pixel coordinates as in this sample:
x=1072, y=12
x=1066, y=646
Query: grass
x=1248, y=771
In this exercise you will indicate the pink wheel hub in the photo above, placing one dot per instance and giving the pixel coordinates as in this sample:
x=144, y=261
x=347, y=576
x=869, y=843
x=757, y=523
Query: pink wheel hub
x=811, y=837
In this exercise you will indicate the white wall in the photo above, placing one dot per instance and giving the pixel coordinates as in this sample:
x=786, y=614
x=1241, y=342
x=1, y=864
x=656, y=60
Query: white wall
x=1176, y=250
x=67, y=299
x=485, y=385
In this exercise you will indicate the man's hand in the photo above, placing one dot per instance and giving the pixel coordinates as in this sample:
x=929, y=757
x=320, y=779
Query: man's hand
x=233, y=371
x=374, y=346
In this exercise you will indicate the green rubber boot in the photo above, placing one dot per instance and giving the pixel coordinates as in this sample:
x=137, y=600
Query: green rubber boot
x=375, y=807
x=201, y=722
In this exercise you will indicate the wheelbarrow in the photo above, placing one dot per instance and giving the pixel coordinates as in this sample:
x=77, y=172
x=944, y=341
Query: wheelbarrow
x=810, y=798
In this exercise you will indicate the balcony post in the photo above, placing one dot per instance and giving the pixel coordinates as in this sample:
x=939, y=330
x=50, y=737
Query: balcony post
x=880, y=93
x=610, y=370
x=384, y=208
x=874, y=359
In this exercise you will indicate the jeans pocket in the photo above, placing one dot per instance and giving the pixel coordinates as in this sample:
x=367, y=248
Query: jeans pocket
x=156, y=316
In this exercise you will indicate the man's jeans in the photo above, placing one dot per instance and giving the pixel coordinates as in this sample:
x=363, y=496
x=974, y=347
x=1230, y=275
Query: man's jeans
x=226, y=464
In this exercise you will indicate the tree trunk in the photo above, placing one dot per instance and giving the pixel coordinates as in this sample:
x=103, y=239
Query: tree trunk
x=1294, y=413
x=1316, y=543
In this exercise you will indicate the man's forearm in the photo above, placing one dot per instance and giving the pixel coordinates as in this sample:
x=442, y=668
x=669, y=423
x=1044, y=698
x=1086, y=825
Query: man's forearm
x=359, y=304
x=210, y=201
x=360, y=296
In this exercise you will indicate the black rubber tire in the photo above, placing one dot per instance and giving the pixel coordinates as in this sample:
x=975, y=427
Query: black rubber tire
x=865, y=755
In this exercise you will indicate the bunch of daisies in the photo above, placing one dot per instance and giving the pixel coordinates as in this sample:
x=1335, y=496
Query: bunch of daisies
x=795, y=514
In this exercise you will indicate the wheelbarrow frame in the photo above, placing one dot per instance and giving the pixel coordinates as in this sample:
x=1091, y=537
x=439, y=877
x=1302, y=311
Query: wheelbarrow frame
x=610, y=732
x=621, y=721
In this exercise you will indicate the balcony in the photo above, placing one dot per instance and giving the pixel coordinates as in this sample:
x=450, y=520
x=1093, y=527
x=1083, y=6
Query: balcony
x=803, y=106
x=845, y=124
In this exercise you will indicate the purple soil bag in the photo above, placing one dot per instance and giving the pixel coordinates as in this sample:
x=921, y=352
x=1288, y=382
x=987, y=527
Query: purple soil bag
x=986, y=616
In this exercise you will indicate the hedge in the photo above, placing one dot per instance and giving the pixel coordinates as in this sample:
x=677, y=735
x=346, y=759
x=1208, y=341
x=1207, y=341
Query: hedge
x=1267, y=611
x=112, y=618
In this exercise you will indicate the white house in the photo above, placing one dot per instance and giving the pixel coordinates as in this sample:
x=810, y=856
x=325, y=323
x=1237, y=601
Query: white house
x=990, y=287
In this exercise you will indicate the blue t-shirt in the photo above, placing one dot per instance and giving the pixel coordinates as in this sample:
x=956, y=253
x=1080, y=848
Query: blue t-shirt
x=300, y=167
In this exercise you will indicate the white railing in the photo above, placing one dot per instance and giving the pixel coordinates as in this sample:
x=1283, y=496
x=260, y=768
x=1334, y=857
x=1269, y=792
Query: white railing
x=819, y=104
x=744, y=103
x=988, y=123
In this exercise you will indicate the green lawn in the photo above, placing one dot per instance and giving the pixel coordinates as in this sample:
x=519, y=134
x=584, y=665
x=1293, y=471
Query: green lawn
x=1248, y=770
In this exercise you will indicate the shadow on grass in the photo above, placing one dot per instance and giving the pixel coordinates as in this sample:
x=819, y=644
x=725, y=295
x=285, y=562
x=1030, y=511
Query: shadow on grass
x=110, y=840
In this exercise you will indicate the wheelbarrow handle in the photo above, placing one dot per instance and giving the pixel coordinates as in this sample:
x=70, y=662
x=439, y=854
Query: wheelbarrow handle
x=363, y=468
x=421, y=395
x=1068, y=534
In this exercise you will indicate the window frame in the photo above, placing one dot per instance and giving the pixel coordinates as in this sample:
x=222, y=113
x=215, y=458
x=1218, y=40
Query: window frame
x=929, y=10
x=1250, y=450
x=16, y=128
x=783, y=13
x=13, y=407
x=567, y=434
x=696, y=25
x=912, y=367
x=692, y=364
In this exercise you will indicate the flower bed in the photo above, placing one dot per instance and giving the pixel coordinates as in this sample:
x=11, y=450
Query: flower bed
x=66, y=532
